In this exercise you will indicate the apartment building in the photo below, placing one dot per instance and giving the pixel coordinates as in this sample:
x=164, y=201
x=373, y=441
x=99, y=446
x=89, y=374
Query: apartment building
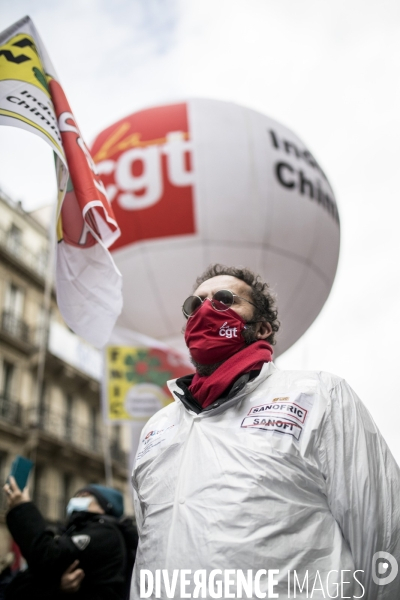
x=54, y=419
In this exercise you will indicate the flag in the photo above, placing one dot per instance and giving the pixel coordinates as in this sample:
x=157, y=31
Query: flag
x=136, y=371
x=88, y=283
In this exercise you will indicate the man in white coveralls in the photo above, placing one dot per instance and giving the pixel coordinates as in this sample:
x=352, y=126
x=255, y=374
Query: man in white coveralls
x=257, y=483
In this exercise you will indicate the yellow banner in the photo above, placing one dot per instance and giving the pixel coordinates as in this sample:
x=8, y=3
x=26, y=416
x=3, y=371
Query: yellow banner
x=136, y=382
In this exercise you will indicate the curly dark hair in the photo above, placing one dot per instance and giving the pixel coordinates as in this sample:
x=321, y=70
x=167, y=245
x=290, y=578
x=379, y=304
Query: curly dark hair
x=260, y=293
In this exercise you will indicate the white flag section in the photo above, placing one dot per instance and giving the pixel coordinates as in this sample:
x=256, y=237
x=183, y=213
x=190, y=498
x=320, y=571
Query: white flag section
x=89, y=285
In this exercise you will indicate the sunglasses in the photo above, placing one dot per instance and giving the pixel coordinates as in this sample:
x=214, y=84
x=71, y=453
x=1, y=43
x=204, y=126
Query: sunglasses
x=221, y=300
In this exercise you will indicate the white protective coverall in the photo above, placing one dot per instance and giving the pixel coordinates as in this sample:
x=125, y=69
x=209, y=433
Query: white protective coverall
x=290, y=474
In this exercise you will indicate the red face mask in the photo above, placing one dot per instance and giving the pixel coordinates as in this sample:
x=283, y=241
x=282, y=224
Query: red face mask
x=212, y=336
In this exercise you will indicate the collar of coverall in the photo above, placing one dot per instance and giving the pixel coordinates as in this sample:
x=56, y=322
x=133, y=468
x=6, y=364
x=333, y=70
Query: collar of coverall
x=245, y=384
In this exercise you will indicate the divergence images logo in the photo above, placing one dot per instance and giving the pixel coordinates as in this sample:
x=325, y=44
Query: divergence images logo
x=384, y=568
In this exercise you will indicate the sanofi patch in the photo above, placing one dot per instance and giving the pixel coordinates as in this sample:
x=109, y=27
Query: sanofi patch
x=284, y=414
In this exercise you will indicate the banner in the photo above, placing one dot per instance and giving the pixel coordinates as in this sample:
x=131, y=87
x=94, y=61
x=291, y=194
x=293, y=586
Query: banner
x=136, y=372
x=88, y=282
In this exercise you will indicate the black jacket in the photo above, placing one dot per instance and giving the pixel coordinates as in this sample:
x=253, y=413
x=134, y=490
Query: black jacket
x=93, y=539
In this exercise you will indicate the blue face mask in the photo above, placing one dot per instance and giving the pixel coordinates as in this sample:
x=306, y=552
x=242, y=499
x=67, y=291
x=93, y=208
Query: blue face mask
x=78, y=504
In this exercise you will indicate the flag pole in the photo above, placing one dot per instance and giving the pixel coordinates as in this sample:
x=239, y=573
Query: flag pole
x=43, y=336
x=106, y=424
x=48, y=286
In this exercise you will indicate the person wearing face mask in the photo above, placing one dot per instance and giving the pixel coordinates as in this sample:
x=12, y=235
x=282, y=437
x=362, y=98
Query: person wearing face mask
x=252, y=469
x=88, y=558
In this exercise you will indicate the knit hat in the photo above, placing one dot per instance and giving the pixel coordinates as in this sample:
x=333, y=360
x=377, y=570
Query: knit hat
x=110, y=500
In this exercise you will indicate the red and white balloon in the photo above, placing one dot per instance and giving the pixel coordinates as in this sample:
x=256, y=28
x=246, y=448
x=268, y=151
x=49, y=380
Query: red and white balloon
x=207, y=181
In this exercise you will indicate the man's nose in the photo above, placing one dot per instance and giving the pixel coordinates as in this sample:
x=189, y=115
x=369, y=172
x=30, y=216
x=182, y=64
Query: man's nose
x=209, y=298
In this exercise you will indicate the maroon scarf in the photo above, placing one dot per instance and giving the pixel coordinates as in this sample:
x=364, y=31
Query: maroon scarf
x=208, y=389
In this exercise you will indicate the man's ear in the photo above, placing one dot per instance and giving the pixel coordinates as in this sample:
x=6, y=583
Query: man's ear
x=264, y=330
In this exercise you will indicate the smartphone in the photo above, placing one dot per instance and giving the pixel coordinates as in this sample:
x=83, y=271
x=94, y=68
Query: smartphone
x=20, y=469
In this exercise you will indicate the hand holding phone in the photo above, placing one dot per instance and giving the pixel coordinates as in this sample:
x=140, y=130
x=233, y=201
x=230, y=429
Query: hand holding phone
x=15, y=488
x=14, y=495
x=20, y=469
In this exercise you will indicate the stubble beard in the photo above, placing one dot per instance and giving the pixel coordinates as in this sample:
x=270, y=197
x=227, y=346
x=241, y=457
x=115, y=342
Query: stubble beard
x=249, y=335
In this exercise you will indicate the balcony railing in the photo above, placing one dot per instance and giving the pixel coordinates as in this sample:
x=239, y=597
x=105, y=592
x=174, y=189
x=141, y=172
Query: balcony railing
x=67, y=429
x=16, y=327
x=10, y=410
x=14, y=247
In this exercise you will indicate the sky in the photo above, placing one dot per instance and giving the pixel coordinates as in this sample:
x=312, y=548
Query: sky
x=326, y=69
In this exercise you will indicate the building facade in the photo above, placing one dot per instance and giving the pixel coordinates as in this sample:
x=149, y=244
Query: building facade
x=50, y=408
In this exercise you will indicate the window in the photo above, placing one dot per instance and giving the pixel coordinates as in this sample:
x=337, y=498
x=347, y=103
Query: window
x=69, y=402
x=14, y=300
x=115, y=447
x=116, y=434
x=93, y=429
x=41, y=261
x=10, y=410
x=66, y=493
x=40, y=325
x=42, y=406
x=8, y=377
x=14, y=240
x=40, y=497
x=13, y=311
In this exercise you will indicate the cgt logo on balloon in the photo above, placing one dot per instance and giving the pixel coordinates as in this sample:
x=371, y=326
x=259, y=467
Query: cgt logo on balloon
x=145, y=162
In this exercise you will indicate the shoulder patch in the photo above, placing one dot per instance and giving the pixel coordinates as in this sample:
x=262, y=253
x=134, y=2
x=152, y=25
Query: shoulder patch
x=282, y=399
x=81, y=541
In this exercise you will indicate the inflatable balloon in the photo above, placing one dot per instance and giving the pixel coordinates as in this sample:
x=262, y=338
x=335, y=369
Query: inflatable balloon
x=207, y=181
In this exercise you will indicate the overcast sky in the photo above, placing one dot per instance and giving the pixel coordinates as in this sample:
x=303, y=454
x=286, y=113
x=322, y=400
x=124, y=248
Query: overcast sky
x=327, y=69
